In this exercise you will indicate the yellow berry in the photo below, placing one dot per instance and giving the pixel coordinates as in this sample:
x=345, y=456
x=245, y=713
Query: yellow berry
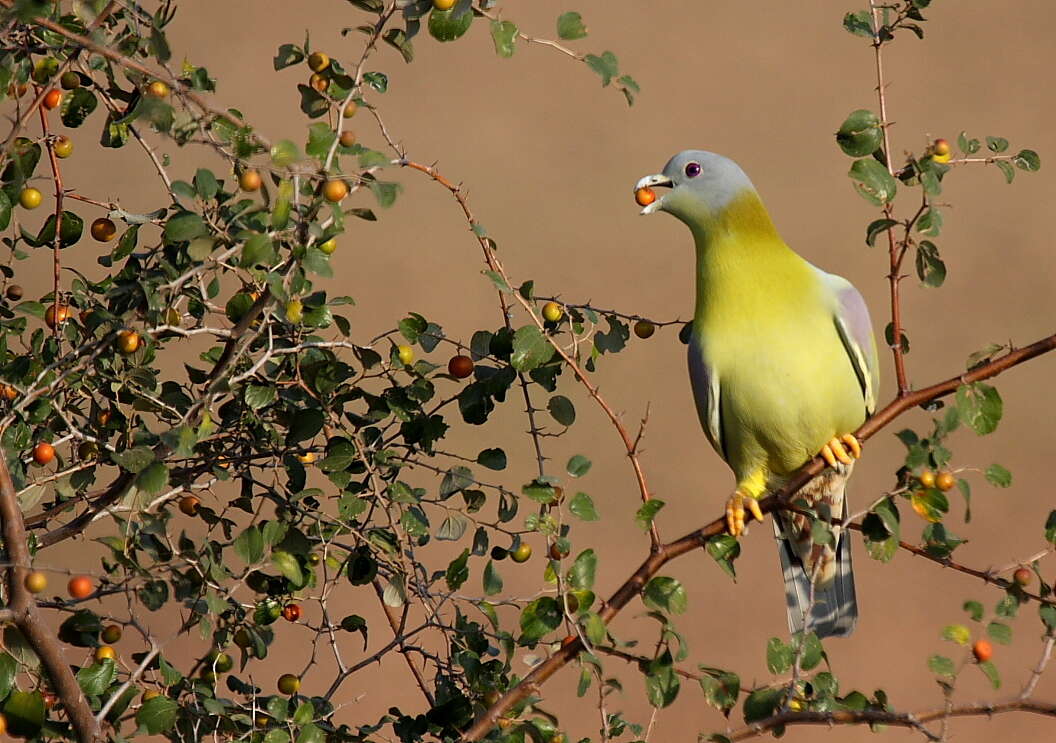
x=552, y=312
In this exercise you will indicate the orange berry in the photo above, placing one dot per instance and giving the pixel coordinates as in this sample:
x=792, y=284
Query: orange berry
x=291, y=612
x=80, y=586
x=460, y=366
x=335, y=190
x=982, y=650
x=35, y=582
x=347, y=138
x=128, y=341
x=319, y=82
x=53, y=318
x=43, y=453
x=104, y=229
x=1022, y=577
x=52, y=99
x=103, y=652
x=157, y=89
x=644, y=196
x=250, y=180
x=945, y=481
x=189, y=505
x=927, y=478
x=318, y=61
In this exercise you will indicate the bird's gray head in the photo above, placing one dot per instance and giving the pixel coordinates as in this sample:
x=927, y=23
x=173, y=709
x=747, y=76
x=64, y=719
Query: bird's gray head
x=702, y=183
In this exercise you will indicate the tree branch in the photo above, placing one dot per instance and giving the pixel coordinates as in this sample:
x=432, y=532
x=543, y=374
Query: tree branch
x=27, y=618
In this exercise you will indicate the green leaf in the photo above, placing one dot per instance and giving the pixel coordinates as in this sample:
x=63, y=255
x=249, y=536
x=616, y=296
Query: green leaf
x=538, y=619
x=157, y=715
x=5, y=210
x=666, y=595
x=205, y=183
x=725, y=549
x=8, y=669
x=980, y=407
x=457, y=572
x=1006, y=168
x=930, y=222
x=594, y=628
x=882, y=530
x=455, y=479
x=287, y=56
x=721, y=688
x=504, y=34
x=762, y=703
x=647, y=512
x=998, y=476
x=94, y=679
x=779, y=656
x=492, y=581
x=452, y=528
x=72, y=229
x=578, y=466
x=997, y=144
x=287, y=564
x=153, y=479
x=305, y=425
x=582, y=506
x=133, y=460
x=249, y=545
x=1050, y=527
x=493, y=459
x=974, y=609
x=77, y=105
x=859, y=24
x=876, y=228
x=661, y=681
x=607, y=66
x=941, y=665
x=25, y=713
x=258, y=251
x=562, y=410
x=581, y=574
x=448, y=25
x=860, y=134
x=385, y=192
x=872, y=181
x=1027, y=160
x=990, y=671
x=570, y=26
x=184, y=226
x=999, y=632
x=531, y=349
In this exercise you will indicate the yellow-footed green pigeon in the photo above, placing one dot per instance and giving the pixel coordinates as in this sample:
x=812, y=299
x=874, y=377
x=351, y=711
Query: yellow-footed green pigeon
x=783, y=366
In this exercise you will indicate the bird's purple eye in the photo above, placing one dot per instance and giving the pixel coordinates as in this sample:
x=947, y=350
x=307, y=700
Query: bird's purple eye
x=693, y=170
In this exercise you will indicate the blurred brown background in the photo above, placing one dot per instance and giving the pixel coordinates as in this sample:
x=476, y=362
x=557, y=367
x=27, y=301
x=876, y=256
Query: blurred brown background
x=550, y=158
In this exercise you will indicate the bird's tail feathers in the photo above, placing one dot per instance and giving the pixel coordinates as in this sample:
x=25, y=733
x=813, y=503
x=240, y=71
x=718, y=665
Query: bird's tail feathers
x=830, y=611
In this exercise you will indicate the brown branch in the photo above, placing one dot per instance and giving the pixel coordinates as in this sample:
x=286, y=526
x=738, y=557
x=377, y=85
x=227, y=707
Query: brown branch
x=900, y=719
x=699, y=538
x=988, y=576
x=397, y=624
x=27, y=618
x=56, y=176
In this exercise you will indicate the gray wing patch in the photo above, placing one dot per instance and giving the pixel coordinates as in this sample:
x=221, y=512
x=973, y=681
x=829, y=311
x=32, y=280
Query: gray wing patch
x=706, y=394
x=856, y=332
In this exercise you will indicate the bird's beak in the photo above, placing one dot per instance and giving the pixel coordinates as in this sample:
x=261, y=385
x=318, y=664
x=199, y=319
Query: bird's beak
x=653, y=181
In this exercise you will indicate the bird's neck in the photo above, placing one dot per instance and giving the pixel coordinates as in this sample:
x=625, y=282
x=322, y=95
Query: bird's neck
x=740, y=255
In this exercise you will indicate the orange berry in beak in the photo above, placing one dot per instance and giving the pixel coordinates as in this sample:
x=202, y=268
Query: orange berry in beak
x=644, y=196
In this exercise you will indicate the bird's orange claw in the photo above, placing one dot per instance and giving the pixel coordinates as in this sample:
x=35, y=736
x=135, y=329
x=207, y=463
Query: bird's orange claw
x=836, y=451
x=735, y=512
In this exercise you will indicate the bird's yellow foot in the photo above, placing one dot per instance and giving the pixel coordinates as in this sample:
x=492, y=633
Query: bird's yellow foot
x=841, y=449
x=735, y=512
